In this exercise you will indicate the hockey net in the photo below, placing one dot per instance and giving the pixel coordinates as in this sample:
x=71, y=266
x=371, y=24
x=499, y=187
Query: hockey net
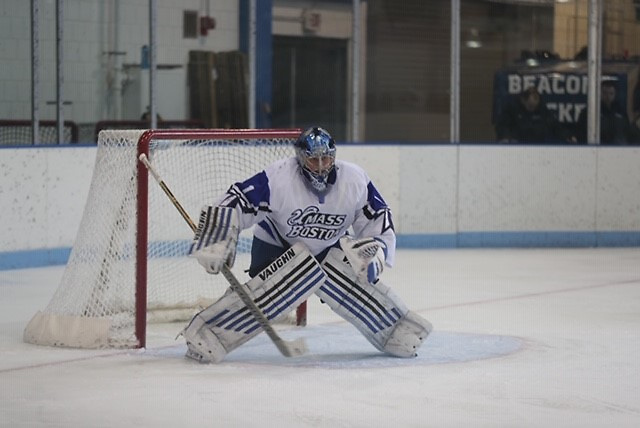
x=19, y=132
x=129, y=262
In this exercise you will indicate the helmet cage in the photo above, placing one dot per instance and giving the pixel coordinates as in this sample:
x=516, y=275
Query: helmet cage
x=315, y=148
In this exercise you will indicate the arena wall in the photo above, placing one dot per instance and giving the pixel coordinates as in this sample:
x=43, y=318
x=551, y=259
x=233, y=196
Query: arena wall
x=442, y=196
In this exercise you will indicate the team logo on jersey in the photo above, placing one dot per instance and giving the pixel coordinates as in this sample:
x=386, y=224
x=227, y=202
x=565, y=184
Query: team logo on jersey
x=312, y=224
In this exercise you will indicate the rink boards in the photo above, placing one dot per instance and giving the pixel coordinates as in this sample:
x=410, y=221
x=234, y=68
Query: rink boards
x=441, y=196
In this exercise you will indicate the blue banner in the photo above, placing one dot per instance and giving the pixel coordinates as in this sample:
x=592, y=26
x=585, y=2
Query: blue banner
x=562, y=86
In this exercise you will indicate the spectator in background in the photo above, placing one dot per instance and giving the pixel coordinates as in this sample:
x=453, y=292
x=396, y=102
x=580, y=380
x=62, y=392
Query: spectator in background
x=528, y=120
x=146, y=116
x=636, y=99
x=614, y=124
x=635, y=115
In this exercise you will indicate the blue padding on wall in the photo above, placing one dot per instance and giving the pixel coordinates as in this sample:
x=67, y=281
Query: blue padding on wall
x=526, y=239
x=34, y=258
x=444, y=240
x=58, y=256
x=618, y=239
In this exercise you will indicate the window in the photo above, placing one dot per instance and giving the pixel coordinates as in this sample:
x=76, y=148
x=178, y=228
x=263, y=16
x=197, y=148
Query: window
x=190, y=24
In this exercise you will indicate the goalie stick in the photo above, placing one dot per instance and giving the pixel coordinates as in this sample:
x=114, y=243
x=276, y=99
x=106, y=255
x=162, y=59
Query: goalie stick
x=293, y=348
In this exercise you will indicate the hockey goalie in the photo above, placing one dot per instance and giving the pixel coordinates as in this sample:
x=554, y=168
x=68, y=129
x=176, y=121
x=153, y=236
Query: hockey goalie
x=321, y=227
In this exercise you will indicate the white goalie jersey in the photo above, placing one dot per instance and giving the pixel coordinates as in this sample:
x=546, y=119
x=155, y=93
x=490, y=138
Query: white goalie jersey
x=286, y=210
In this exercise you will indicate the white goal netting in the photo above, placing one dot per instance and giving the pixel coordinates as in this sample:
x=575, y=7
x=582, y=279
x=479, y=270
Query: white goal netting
x=95, y=303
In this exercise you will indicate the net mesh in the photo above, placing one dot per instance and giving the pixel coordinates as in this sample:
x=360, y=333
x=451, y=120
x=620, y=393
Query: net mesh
x=19, y=133
x=98, y=287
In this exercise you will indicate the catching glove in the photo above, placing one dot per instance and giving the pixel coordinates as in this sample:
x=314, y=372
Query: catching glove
x=366, y=256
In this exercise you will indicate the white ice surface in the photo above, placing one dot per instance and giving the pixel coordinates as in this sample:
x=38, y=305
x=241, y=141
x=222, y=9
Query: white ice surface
x=522, y=338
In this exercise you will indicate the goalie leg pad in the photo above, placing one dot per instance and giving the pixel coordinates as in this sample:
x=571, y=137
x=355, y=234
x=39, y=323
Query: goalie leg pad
x=408, y=335
x=374, y=309
x=277, y=290
x=202, y=344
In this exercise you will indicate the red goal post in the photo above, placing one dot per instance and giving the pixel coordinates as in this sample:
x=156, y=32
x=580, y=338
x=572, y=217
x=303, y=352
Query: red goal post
x=128, y=265
x=144, y=144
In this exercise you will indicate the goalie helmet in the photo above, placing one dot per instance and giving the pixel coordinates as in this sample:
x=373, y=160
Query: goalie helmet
x=316, y=153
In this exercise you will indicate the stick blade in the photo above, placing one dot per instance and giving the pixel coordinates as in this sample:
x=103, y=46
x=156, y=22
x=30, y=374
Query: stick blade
x=293, y=348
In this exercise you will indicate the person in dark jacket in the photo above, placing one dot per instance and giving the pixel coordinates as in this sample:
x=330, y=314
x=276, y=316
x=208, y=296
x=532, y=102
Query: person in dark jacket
x=528, y=120
x=614, y=124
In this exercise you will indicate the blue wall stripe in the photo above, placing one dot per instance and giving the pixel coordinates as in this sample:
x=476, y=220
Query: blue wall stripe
x=34, y=258
x=57, y=256
x=527, y=239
